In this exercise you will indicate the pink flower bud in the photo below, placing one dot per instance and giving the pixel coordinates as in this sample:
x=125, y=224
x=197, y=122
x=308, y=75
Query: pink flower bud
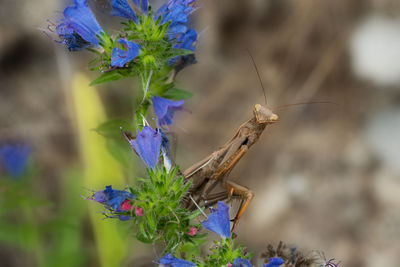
x=192, y=231
x=138, y=211
x=228, y=264
x=125, y=205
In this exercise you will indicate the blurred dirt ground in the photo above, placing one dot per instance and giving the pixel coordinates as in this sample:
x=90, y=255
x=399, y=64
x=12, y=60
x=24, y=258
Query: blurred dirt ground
x=322, y=176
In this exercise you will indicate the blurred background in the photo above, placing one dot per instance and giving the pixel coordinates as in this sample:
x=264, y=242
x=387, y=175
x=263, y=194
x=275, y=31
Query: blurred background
x=326, y=177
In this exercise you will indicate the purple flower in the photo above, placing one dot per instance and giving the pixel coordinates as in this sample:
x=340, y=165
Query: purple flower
x=218, y=221
x=274, y=262
x=79, y=28
x=122, y=8
x=238, y=262
x=14, y=159
x=170, y=261
x=165, y=109
x=147, y=145
x=112, y=198
x=119, y=57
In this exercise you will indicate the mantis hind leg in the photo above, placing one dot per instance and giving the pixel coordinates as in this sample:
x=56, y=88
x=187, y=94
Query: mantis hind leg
x=238, y=191
x=233, y=190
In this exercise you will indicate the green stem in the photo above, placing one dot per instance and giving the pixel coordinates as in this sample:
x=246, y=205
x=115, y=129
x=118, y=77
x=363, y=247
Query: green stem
x=36, y=245
x=141, y=111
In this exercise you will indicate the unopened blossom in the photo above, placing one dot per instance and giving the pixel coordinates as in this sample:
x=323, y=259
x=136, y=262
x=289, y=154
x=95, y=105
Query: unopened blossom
x=14, y=159
x=79, y=28
x=192, y=231
x=138, y=211
x=126, y=205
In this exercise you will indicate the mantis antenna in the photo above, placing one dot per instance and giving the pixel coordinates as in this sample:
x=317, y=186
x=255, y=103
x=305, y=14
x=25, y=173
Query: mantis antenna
x=305, y=103
x=258, y=74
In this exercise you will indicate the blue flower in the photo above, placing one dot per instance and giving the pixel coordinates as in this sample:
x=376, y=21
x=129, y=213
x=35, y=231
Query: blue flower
x=238, y=262
x=187, y=3
x=218, y=221
x=274, y=262
x=147, y=145
x=170, y=261
x=120, y=57
x=176, y=15
x=165, y=109
x=79, y=28
x=185, y=41
x=14, y=159
x=123, y=9
x=112, y=198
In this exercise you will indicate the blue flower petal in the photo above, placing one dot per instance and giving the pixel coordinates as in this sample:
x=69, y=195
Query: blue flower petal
x=274, y=262
x=119, y=57
x=218, y=221
x=75, y=42
x=164, y=109
x=112, y=198
x=147, y=145
x=187, y=3
x=170, y=261
x=121, y=8
x=124, y=217
x=14, y=159
x=100, y=197
x=238, y=262
x=143, y=4
x=79, y=19
x=175, y=14
x=185, y=41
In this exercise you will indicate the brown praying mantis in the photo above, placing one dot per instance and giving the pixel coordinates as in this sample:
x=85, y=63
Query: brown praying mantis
x=215, y=168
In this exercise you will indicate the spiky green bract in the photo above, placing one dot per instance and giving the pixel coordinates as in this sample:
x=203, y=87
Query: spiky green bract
x=224, y=252
x=163, y=219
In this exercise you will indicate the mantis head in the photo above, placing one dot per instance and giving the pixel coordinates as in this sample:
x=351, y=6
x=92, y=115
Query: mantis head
x=264, y=114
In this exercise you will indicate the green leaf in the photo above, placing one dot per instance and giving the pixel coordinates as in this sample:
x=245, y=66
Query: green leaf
x=194, y=214
x=121, y=151
x=109, y=76
x=143, y=239
x=181, y=52
x=112, y=128
x=177, y=94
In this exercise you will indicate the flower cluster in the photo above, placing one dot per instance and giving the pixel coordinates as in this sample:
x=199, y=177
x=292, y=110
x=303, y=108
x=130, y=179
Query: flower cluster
x=149, y=44
x=224, y=254
x=148, y=41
